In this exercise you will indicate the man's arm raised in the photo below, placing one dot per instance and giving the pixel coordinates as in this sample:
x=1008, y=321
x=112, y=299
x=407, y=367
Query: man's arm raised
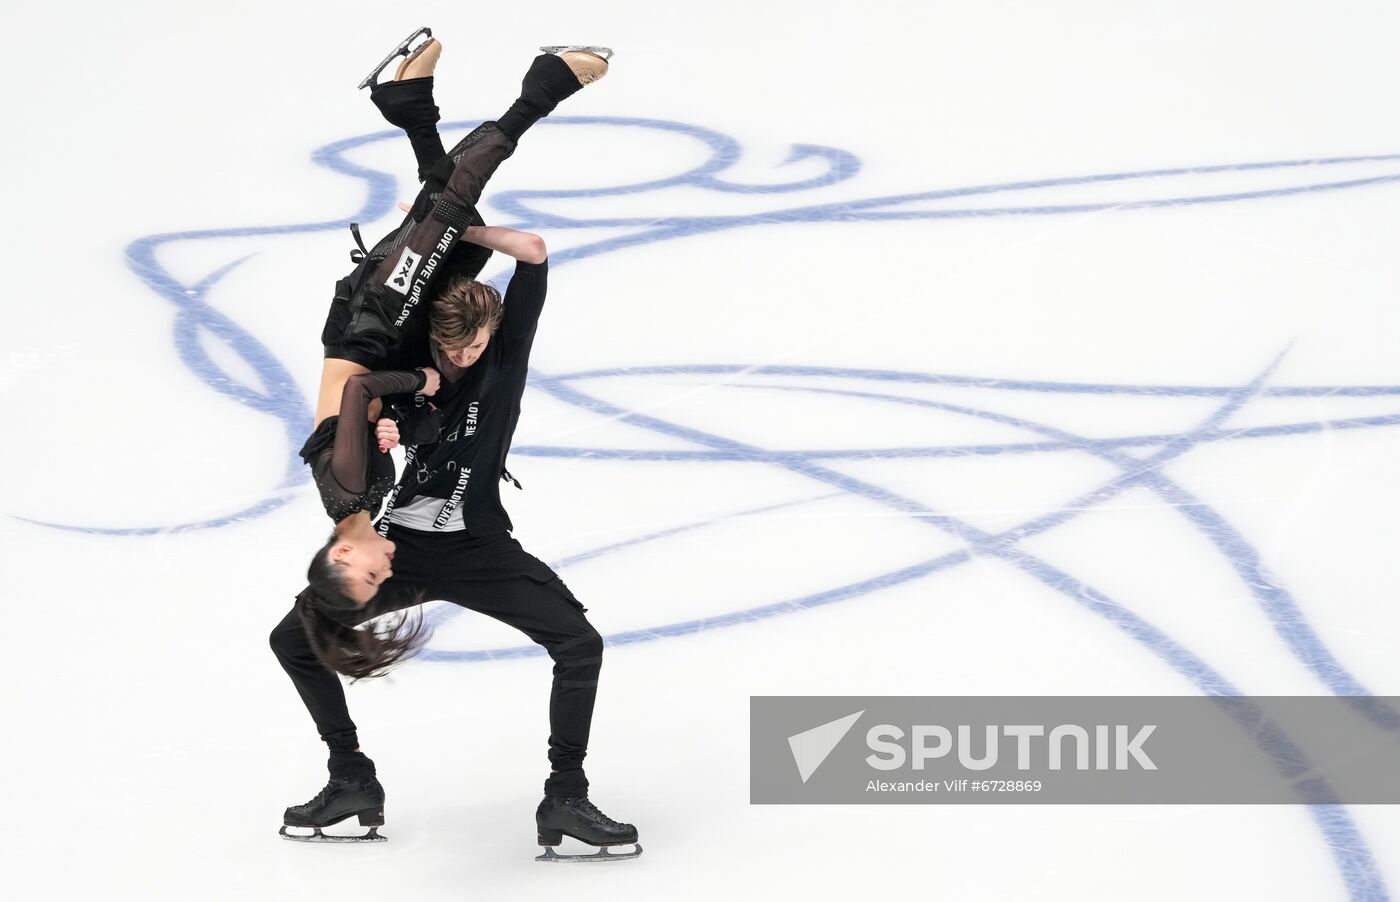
x=526, y=247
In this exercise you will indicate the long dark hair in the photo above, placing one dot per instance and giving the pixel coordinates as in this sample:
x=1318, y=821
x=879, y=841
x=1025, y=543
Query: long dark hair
x=326, y=611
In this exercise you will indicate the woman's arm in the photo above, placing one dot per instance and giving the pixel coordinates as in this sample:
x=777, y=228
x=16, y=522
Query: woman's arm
x=348, y=457
x=335, y=373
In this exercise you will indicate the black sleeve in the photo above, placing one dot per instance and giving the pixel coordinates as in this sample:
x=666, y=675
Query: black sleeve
x=349, y=462
x=524, y=301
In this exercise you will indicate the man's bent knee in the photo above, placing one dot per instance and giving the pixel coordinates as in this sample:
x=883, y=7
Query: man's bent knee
x=583, y=650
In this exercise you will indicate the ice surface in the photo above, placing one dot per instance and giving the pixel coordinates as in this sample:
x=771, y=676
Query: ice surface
x=838, y=290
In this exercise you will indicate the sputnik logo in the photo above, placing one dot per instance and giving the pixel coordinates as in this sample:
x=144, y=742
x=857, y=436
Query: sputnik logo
x=811, y=747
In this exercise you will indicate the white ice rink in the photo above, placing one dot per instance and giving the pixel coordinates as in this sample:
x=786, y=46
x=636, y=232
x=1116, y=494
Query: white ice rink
x=838, y=290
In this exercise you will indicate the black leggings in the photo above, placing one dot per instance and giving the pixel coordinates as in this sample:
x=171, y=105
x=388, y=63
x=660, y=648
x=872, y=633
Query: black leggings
x=409, y=104
x=371, y=307
x=494, y=576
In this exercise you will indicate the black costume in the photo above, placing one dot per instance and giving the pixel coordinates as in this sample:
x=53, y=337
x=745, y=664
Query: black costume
x=362, y=325
x=451, y=532
x=471, y=559
x=376, y=312
x=350, y=471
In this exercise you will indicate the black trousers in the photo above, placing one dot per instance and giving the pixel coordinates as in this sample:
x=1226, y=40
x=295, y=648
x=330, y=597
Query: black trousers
x=409, y=104
x=496, y=577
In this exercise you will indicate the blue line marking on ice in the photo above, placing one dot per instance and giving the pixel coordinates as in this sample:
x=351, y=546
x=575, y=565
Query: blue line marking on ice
x=1344, y=840
x=443, y=614
x=278, y=396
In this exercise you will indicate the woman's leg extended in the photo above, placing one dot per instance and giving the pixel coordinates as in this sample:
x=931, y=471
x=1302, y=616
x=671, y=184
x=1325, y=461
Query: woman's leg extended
x=407, y=102
x=410, y=106
x=471, y=162
x=549, y=80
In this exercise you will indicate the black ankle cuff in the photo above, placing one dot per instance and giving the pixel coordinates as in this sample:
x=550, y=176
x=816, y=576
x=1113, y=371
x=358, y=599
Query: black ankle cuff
x=349, y=765
x=343, y=741
x=567, y=784
x=550, y=78
x=408, y=103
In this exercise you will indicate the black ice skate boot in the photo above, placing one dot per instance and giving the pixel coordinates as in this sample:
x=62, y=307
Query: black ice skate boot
x=558, y=817
x=407, y=102
x=342, y=798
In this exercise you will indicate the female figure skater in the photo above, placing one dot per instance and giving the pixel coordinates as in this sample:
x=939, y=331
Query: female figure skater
x=448, y=537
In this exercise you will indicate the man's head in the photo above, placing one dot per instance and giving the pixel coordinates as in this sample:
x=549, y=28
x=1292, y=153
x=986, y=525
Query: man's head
x=463, y=319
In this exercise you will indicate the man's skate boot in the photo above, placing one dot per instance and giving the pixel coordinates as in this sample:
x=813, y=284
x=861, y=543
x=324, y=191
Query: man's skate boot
x=577, y=817
x=341, y=798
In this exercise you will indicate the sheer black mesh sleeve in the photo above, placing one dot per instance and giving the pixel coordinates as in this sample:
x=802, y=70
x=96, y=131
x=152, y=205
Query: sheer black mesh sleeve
x=349, y=460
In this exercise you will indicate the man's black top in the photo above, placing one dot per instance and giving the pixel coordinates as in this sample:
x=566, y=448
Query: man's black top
x=454, y=481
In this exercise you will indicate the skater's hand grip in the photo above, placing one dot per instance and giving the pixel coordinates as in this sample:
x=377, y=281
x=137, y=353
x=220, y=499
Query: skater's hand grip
x=387, y=432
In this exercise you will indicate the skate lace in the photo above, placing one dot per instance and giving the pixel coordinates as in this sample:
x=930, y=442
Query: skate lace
x=323, y=794
x=591, y=810
x=320, y=797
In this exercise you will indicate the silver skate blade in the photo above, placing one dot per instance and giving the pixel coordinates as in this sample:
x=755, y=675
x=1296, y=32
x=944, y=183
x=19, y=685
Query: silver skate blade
x=402, y=50
x=603, y=854
x=317, y=836
x=605, y=52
